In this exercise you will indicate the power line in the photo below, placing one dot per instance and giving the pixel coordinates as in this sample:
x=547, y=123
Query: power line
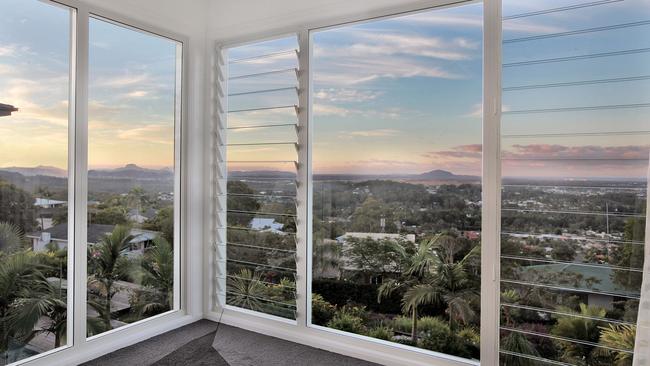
x=560, y=9
x=578, y=57
x=579, y=31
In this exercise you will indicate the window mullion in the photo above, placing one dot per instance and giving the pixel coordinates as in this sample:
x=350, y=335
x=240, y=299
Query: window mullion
x=491, y=180
x=303, y=278
x=80, y=177
x=642, y=340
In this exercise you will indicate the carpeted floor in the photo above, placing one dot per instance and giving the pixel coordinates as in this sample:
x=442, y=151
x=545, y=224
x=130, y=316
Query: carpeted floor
x=204, y=343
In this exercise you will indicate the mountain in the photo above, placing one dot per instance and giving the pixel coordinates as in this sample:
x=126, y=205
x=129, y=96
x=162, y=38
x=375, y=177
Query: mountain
x=131, y=171
x=444, y=175
x=38, y=170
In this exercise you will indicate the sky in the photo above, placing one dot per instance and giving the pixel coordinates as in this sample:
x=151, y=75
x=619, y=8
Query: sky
x=131, y=91
x=403, y=95
x=398, y=95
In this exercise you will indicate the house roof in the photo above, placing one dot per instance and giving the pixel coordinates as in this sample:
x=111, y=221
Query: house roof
x=591, y=279
x=6, y=109
x=60, y=232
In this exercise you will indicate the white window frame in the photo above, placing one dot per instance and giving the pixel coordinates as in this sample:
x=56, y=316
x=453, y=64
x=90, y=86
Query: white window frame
x=80, y=348
x=301, y=330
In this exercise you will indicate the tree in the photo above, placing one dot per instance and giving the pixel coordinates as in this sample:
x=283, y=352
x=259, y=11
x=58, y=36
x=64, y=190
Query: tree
x=563, y=251
x=431, y=277
x=157, y=275
x=163, y=222
x=11, y=237
x=109, y=216
x=326, y=257
x=107, y=265
x=245, y=290
x=373, y=257
x=630, y=255
x=620, y=338
x=369, y=216
x=240, y=198
x=584, y=328
x=17, y=207
x=19, y=273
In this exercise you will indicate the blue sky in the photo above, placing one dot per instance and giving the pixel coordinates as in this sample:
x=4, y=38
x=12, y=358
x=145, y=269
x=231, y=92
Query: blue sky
x=132, y=84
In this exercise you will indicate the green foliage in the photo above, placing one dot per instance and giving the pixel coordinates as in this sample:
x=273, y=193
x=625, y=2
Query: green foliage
x=107, y=265
x=381, y=332
x=163, y=222
x=237, y=202
x=620, y=337
x=156, y=274
x=517, y=343
x=11, y=238
x=367, y=218
x=17, y=207
x=347, y=322
x=321, y=310
x=581, y=328
x=109, y=216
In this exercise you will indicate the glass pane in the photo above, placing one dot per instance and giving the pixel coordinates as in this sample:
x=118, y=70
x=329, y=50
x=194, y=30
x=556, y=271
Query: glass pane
x=397, y=179
x=575, y=147
x=259, y=272
x=35, y=49
x=133, y=110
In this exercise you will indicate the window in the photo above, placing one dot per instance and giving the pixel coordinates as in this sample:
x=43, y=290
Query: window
x=259, y=212
x=397, y=179
x=133, y=177
x=575, y=166
x=35, y=59
x=132, y=187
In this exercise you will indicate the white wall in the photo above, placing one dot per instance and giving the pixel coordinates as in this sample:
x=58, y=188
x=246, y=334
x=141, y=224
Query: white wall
x=234, y=20
x=186, y=18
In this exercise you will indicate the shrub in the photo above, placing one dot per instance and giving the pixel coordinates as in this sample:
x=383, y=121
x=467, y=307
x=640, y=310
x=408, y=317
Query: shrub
x=341, y=293
x=381, y=332
x=402, y=324
x=437, y=337
x=428, y=323
x=347, y=323
x=321, y=310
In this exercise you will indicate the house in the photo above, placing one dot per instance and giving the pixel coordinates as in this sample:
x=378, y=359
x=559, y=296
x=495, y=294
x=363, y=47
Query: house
x=49, y=203
x=58, y=235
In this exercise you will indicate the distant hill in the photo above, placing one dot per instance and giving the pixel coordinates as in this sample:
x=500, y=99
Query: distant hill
x=131, y=171
x=444, y=175
x=37, y=170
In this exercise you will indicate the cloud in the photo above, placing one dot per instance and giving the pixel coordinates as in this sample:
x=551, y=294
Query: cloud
x=346, y=95
x=152, y=133
x=137, y=94
x=585, y=152
x=523, y=25
x=372, y=133
x=330, y=110
x=114, y=81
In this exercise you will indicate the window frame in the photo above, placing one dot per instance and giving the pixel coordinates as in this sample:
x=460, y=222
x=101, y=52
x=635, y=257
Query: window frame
x=302, y=331
x=78, y=347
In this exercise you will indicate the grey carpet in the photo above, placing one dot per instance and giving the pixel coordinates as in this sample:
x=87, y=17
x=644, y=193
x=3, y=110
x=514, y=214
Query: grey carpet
x=239, y=347
x=154, y=349
x=196, y=353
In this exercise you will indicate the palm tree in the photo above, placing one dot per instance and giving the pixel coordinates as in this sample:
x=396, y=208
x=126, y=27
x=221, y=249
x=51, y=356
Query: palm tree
x=18, y=272
x=107, y=265
x=246, y=290
x=585, y=328
x=157, y=273
x=432, y=276
x=619, y=337
x=11, y=237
